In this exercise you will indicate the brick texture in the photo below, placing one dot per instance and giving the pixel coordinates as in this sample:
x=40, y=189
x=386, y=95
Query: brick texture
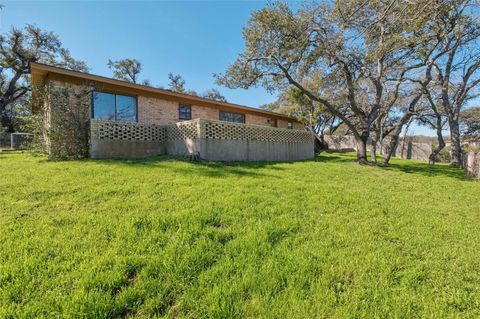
x=298, y=126
x=258, y=120
x=282, y=123
x=202, y=112
x=157, y=111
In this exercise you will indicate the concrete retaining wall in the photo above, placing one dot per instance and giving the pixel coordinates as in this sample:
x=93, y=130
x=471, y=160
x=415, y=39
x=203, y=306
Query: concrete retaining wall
x=125, y=149
x=244, y=150
x=213, y=140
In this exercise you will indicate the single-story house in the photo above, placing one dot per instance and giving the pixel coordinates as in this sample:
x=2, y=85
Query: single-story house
x=133, y=120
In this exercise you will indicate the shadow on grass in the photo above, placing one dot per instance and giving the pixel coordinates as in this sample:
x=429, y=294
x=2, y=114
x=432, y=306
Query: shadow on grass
x=203, y=168
x=400, y=165
x=223, y=169
x=413, y=167
x=334, y=157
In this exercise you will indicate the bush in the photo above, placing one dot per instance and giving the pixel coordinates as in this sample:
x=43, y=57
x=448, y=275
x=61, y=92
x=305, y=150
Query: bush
x=32, y=124
x=444, y=155
x=65, y=124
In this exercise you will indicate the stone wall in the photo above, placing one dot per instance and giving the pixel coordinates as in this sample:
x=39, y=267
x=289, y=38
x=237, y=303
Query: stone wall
x=415, y=151
x=411, y=150
x=471, y=164
x=345, y=143
x=213, y=140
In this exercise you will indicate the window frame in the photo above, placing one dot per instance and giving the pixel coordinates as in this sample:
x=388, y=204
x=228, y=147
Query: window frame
x=242, y=114
x=115, y=106
x=180, y=113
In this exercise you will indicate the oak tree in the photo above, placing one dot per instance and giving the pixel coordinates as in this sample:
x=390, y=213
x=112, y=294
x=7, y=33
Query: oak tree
x=18, y=49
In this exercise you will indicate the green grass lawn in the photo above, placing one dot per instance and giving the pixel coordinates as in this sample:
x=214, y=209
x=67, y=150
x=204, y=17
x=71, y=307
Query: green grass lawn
x=167, y=238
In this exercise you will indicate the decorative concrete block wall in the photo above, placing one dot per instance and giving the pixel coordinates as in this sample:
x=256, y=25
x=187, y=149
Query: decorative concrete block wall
x=227, y=141
x=213, y=140
x=124, y=139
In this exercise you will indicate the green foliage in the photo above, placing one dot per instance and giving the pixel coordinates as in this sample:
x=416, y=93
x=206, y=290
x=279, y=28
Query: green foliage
x=126, y=69
x=67, y=122
x=470, y=121
x=214, y=94
x=166, y=238
x=177, y=83
x=33, y=124
x=19, y=48
x=444, y=155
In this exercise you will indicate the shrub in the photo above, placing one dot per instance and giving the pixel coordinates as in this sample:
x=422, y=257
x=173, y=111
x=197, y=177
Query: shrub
x=444, y=155
x=65, y=124
x=32, y=124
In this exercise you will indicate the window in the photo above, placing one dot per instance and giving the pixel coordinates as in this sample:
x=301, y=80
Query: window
x=232, y=117
x=185, y=112
x=290, y=125
x=107, y=106
x=126, y=108
x=104, y=106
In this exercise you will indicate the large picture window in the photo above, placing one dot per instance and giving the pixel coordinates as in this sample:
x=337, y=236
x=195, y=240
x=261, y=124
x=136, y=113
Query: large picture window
x=185, y=112
x=232, y=117
x=108, y=106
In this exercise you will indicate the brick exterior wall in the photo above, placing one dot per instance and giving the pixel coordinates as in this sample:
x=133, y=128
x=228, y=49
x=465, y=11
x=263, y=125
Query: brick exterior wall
x=202, y=112
x=258, y=120
x=157, y=111
x=298, y=126
x=282, y=123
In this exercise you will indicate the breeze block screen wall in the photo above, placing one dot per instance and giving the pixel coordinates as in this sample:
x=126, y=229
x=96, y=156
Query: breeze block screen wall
x=213, y=140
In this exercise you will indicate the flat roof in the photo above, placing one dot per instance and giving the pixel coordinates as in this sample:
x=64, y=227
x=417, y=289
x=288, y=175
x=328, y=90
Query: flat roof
x=40, y=72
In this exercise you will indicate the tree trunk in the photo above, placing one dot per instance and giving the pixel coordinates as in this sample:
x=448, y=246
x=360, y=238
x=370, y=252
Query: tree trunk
x=392, y=145
x=433, y=157
x=441, y=142
x=373, y=155
x=404, y=139
x=456, y=152
x=375, y=138
x=362, y=148
x=5, y=120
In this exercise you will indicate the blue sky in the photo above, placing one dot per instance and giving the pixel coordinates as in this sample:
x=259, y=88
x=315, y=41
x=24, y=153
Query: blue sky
x=191, y=38
x=194, y=39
